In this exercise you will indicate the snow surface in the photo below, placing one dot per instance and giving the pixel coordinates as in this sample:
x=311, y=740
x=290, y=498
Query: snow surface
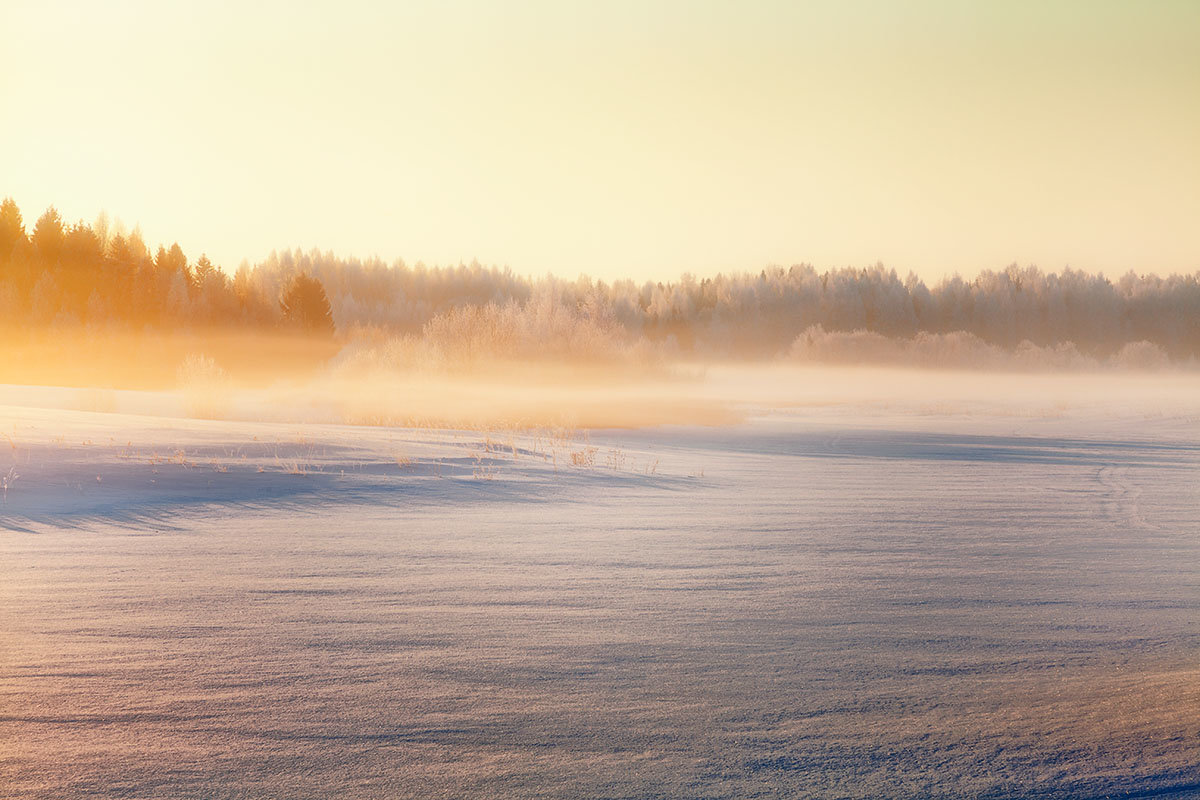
x=824, y=601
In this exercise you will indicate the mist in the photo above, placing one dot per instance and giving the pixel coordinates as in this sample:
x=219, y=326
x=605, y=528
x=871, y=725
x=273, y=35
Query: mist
x=313, y=336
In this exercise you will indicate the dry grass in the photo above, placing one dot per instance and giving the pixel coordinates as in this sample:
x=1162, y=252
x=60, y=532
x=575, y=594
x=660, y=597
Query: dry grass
x=584, y=458
x=206, y=386
x=7, y=480
x=485, y=472
x=293, y=466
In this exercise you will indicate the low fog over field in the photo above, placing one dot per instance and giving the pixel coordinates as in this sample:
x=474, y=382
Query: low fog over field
x=91, y=304
x=984, y=585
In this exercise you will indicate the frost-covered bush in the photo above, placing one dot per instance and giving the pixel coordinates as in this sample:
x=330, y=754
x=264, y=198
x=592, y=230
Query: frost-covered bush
x=206, y=387
x=962, y=350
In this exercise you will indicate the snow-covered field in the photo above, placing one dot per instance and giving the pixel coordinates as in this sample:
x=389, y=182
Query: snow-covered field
x=955, y=599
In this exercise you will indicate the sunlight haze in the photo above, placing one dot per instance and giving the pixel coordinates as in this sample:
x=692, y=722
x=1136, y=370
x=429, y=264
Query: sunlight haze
x=667, y=399
x=623, y=139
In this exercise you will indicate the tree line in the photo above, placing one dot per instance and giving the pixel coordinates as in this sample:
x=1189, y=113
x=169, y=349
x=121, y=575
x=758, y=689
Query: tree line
x=62, y=275
x=59, y=274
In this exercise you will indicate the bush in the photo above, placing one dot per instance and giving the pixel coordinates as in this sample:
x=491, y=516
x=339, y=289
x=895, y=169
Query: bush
x=206, y=387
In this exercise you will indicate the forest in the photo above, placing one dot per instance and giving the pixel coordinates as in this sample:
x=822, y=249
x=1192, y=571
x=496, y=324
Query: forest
x=82, y=281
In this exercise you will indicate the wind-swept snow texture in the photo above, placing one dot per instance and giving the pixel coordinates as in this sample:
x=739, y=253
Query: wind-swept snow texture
x=813, y=604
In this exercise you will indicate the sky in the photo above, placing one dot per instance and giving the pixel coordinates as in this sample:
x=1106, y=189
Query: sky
x=622, y=138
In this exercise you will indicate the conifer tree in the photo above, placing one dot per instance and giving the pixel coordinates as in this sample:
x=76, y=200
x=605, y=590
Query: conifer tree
x=305, y=305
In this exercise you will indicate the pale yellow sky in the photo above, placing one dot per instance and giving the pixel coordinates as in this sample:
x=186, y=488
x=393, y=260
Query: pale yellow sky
x=619, y=139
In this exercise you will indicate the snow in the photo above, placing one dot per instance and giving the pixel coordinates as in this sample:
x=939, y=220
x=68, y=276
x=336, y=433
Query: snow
x=973, y=597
